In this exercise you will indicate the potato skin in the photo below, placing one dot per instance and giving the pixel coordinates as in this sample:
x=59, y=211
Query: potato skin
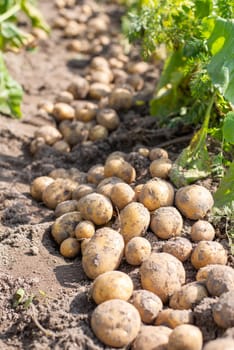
x=84, y=229
x=223, y=310
x=115, y=323
x=82, y=190
x=65, y=207
x=70, y=248
x=202, y=230
x=173, y=318
x=49, y=133
x=220, y=279
x=152, y=338
x=180, y=247
x=137, y=250
x=220, y=343
x=148, y=304
x=120, y=168
x=103, y=252
x=64, y=226
x=160, y=168
x=121, y=195
x=166, y=222
x=58, y=191
x=105, y=186
x=185, y=337
x=208, y=252
x=39, y=185
x=158, y=153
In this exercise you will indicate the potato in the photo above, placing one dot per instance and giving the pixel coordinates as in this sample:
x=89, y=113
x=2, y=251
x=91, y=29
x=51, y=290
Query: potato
x=84, y=229
x=99, y=90
x=79, y=88
x=39, y=185
x=83, y=244
x=173, y=318
x=63, y=111
x=99, y=62
x=82, y=190
x=160, y=168
x=136, y=81
x=64, y=226
x=208, y=252
x=47, y=106
x=77, y=176
x=137, y=250
x=95, y=174
x=64, y=96
x=185, y=337
x=138, y=67
x=98, y=132
x=188, y=296
x=87, y=112
x=202, y=231
x=120, y=98
x=147, y=303
x=58, y=191
x=137, y=190
x=36, y=144
x=180, y=247
x=81, y=46
x=220, y=279
x=152, y=338
x=156, y=193
x=115, y=323
x=194, y=201
x=162, y=274
x=158, y=153
x=105, y=186
x=223, y=310
x=121, y=195
x=70, y=248
x=74, y=132
x=109, y=118
x=60, y=23
x=73, y=29
x=103, y=75
x=96, y=208
x=202, y=273
x=49, y=133
x=62, y=146
x=143, y=151
x=134, y=220
x=112, y=285
x=166, y=222
x=120, y=168
x=116, y=155
x=103, y=252
x=59, y=173
x=220, y=343
x=65, y=207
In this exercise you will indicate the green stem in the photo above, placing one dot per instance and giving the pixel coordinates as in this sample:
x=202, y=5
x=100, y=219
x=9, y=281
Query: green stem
x=10, y=13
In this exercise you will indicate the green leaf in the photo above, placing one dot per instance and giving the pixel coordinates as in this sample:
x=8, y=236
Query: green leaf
x=228, y=127
x=35, y=16
x=18, y=297
x=224, y=196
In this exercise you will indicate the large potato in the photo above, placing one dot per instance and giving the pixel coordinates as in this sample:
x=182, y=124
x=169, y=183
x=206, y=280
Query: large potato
x=152, y=338
x=223, y=310
x=166, y=222
x=185, y=337
x=120, y=168
x=208, y=252
x=39, y=185
x=173, y=318
x=58, y=191
x=64, y=226
x=116, y=323
x=220, y=279
x=103, y=252
x=148, y=304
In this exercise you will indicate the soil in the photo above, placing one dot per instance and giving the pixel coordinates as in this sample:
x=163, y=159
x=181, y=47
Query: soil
x=59, y=316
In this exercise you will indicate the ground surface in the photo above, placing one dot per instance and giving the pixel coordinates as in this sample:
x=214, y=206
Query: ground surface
x=29, y=258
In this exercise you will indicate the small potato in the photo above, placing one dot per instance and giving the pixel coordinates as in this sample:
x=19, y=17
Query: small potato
x=95, y=174
x=143, y=151
x=185, y=337
x=103, y=75
x=77, y=176
x=82, y=190
x=202, y=231
x=220, y=279
x=109, y=118
x=62, y=146
x=70, y=248
x=220, y=343
x=137, y=190
x=136, y=81
x=223, y=310
x=59, y=173
x=173, y=318
x=65, y=207
x=64, y=226
x=121, y=195
x=98, y=132
x=74, y=132
x=148, y=304
x=156, y=193
x=58, y=191
x=99, y=90
x=105, y=186
x=180, y=247
x=84, y=229
x=116, y=155
x=39, y=185
x=134, y=220
x=83, y=244
x=47, y=106
x=87, y=112
x=96, y=208
x=120, y=168
x=99, y=62
x=49, y=133
x=120, y=98
x=112, y=285
x=36, y=144
x=65, y=97
x=208, y=252
x=158, y=153
x=79, y=88
x=103, y=252
x=160, y=168
x=137, y=250
x=166, y=222
x=63, y=111
x=116, y=323
x=194, y=201
x=152, y=338
x=162, y=274
x=73, y=29
x=138, y=67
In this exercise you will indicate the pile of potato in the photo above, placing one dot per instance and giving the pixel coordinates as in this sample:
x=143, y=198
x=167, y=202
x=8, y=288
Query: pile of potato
x=104, y=215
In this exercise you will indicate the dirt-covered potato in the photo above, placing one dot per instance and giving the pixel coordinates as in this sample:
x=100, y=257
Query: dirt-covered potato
x=188, y=296
x=121, y=195
x=96, y=208
x=64, y=226
x=39, y=185
x=120, y=168
x=207, y=253
x=83, y=244
x=194, y=201
x=220, y=343
x=103, y=252
x=185, y=337
x=63, y=111
x=136, y=81
x=112, y=285
x=166, y=222
x=137, y=190
x=134, y=220
x=158, y=153
x=73, y=29
x=202, y=230
x=98, y=132
x=173, y=318
x=82, y=190
x=65, y=207
x=115, y=323
x=36, y=144
x=116, y=155
x=109, y=118
x=99, y=90
x=87, y=112
x=84, y=229
x=64, y=96
x=202, y=273
x=147, y=303
x=220, y=279
x=74, y=131
x=143, y=151
x=152, y=338
x=162, y=274
x=105, y=186
x=156, y=193
x=137, y=67
x=223, y=310
x=62, y=146
x=180, y=247
x=49, y=133
x=95, y=174
x=79, y=88
x=120, y=98
x=103, y=75
x=99, y=62
x=137, y=250
x=58, y=191
x=160, y=168
x=59, y=173
x=70, y=248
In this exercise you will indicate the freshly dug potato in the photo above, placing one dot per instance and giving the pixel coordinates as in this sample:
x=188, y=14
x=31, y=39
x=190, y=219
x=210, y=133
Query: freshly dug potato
x=82, y=190
x=84, y=229
x=62, y=146
x=116, y=155
x=136, y=81
x=121, y=195
x=137, y=250
x=188, y=296
x=109, y=118
x=99, y=90
x=64, y=96
x=64, y=226
x=134, y=220
x=194, y=201
x=39, y=185
x=47, y=106
x=87, y=112
x=103, y=75
x=185, y=337
x=208, y=252
x=96, y=208
x=99, y=62
x=74, y=132
x=63, y=111
x=158, y=153
x=147, y=303
x=202, y=273
x=59, y=173
x=152, y=338
x=103, y=252
x=160, y=168
x=156, y=193
x=137, y=190
x=58, y=191
x=79, y=88
x=223, y=310
x=112, y=285
x=76, y=175
x=180, y=247
x=162, y=274
x=83, y=244
x=115, y=323
x=166, y=222
x=202, y=230
x=49, y=133
x=36, y=144
x=173, y=318
x=220, y=279
x=120, y=98
x=98, y=132
x=70, y=248
x=105, y=186
x=220, y=343
x=95, y=174
x=65, y=207
x=120, y=168
x=138, y=67
x=73, y=29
